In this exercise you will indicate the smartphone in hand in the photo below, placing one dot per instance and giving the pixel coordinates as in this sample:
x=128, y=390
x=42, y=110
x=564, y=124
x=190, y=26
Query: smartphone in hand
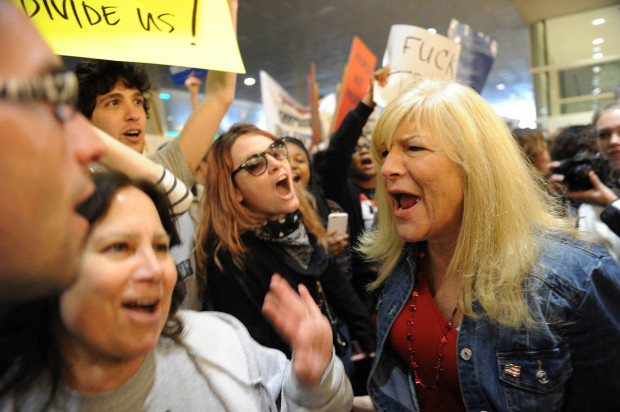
x=337, y=221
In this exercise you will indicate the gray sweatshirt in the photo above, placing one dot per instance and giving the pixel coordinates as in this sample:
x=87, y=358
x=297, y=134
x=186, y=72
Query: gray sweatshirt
x=219, y=367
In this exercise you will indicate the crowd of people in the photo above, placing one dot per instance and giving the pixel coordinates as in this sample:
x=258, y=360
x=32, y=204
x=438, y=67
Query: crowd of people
x=473, y=275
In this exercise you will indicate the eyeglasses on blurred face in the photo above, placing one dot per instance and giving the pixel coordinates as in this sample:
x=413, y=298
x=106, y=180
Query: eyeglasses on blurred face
x=58, y=89
x=257, y=163
x=359, y=147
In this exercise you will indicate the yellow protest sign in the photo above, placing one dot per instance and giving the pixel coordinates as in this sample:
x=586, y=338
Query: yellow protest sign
x=189, y=33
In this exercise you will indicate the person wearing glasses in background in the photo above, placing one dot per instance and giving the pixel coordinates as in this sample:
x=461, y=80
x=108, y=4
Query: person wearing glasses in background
x=347, y=172
x=45, y=150
x=256, y=223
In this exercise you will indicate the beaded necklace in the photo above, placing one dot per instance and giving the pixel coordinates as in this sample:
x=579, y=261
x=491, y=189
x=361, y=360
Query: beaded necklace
x=442, y=341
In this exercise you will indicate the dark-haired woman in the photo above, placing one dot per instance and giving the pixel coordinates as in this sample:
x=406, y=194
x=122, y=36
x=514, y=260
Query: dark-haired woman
x=113, y=342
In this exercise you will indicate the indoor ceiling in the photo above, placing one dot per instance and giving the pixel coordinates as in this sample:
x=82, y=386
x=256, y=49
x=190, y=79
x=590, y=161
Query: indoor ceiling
x=283, y=37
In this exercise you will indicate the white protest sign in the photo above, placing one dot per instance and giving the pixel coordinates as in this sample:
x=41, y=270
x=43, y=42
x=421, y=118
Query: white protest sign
x=411, y=52
x=327, y=110
x=284, y=116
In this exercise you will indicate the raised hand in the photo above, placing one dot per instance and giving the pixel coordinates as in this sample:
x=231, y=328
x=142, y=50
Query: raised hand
x=380, y=76
x=193, y=85
x=301, y=323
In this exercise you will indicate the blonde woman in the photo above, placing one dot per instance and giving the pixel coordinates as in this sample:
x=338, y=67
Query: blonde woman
x=488, y=302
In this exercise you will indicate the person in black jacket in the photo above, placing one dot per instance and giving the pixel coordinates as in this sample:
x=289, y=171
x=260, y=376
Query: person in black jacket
x=255, y=223
x=348, y=177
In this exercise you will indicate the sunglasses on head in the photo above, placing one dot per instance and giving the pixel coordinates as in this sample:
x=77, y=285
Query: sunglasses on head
x=257, y=163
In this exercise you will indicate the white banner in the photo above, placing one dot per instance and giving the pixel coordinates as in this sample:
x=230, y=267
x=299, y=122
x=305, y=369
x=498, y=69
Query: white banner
x=284, y=116
x=327, y=108
x=411, y=52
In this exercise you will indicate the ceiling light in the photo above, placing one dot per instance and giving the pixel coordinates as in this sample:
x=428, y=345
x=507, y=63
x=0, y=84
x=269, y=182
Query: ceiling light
x=249, y=81
x=501, y=86
x=599, y=40
x=596, y=69
x=597, y=22
x=597, y=55
x=431, y=30
x=596, y=49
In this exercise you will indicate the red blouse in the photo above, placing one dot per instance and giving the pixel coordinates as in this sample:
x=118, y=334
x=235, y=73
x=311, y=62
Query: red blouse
x=428, y=328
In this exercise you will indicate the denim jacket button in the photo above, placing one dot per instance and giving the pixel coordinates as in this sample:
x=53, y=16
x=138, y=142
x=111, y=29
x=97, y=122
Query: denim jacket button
x=542, y=377
x=466, y=353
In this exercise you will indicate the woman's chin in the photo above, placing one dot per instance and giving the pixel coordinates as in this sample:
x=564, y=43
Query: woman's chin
x=294, y=205
x=290, y=208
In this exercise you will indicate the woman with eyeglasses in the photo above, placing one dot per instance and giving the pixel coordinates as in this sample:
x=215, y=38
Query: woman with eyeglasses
x=255, y=223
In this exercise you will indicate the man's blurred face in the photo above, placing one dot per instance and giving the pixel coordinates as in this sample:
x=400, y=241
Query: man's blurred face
x=43, y=164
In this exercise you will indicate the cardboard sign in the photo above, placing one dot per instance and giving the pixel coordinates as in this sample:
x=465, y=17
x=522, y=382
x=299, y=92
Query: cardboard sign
x=188, y=33
x=313, y=101
x=327, y=108
x=478, y=53
x=356, y=79
x=284, y=116
x=411, y=52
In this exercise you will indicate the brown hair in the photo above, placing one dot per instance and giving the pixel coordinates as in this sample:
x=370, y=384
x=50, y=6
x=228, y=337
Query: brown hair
x=225, y=219
x=531, y=142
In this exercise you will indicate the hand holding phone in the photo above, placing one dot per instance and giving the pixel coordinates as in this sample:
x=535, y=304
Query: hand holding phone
x=337, y=221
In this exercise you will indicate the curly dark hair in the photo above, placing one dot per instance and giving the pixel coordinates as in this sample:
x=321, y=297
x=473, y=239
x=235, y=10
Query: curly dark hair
x=572, y=140
x=98, y=77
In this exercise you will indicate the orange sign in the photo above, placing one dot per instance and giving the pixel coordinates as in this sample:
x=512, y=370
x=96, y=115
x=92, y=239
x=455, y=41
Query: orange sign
x=361, y=65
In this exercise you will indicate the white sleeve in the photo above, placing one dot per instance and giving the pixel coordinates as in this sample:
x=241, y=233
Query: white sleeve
x=332, y=393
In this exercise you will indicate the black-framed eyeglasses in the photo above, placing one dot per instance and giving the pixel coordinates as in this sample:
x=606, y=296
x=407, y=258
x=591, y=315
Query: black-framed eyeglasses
x=59, y=89
x=257, y=163
x=359, y=147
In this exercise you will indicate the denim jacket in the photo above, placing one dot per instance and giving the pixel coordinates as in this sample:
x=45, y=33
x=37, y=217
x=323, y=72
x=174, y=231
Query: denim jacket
x=570, y=363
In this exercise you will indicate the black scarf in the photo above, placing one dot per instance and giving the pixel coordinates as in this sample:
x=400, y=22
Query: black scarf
x=291, y=234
